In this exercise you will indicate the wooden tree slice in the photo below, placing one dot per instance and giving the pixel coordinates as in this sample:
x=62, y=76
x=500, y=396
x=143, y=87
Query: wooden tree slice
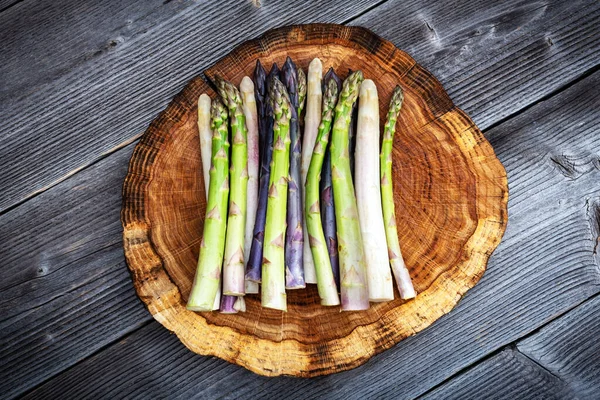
x=450, y=190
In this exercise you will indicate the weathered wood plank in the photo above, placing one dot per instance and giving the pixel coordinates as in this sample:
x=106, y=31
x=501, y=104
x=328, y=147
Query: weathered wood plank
x=6, y=4
x=543, y=267
x=66, y=291
x=492, y=66
x=559, y=361
x=507, y=375
x=569, y=347
x=494, y=57
x=108, y=100
x=60, y=35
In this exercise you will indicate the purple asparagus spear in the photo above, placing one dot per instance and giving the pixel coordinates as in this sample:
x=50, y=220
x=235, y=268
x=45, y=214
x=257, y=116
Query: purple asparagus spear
x=327, y=206
x=265, y=137
x=227, y=303
x=294, y=237
x=232, y=304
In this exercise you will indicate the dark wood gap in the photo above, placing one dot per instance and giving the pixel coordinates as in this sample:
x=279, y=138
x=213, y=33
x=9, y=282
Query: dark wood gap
x=94, y=354
x=559, y=90
x=512, y=345
x=7, y=5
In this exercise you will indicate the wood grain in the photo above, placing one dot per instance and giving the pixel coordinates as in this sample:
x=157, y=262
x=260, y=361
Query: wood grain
x=544, y=266
x=483, y=69
x=6, y=4
x=450, y=192
x=105, y=102
x=65, y=289
x=568, y=347
x=506, y=375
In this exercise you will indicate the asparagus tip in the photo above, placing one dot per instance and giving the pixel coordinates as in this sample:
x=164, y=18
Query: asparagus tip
x=397, y=99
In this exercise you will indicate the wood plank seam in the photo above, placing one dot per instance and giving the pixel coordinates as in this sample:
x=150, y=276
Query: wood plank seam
x=512, y=345
x=548, y=96
x=93, y=354
x=536, y=362
x=10, y=5
x=373, y=7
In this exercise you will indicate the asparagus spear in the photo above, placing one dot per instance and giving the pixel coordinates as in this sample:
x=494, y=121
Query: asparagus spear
x=250, y=112
x=301, y=92
x=265, y=117
x=405, y=286
x=354, y=291
x=227, y=303
x=352, y=133
x=352, y=138
x=327, y=205
x=314, y=97
x=273, y=268
x=233, y=267
x=325, y=280
x=294, y=238
x=208, y=273
x=233, y=304
x=368, y=195
x=205, y=133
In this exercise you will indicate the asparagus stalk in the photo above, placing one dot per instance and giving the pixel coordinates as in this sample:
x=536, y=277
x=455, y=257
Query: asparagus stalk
x=251, y=287
x=205, y=133
x=325, y=280
x=210, y=259
x=265, y=117
x=405, y=286
x=233, y=304
x=250, y=112
x=294, y=238
x=233, y=268
x=273, y=268
x=327, y=205
x=368, y=195
x=314, y=97
x=301, y=92
x=354, y=290
x=240, y=304
x=352, y=138
x=227, y=303
x=352, y=133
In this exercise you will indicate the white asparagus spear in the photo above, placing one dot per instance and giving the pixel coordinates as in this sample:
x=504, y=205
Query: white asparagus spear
x=368, y=195
x=251, y=287
x=250, y=112
x=312, y=119
x=205, y=132
x=240, y=303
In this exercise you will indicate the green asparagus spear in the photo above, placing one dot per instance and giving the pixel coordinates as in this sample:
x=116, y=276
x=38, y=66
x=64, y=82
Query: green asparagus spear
x=273, y=268
x=405, y=286
x=301, y=92
x=325, y=280
x=208, y=273
x=233, y=263
x=354, y=291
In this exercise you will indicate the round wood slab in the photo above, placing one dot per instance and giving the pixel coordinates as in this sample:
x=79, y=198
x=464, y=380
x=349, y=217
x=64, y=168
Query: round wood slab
x=450, y=190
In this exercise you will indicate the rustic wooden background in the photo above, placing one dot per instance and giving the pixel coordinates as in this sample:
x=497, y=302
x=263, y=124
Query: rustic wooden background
x=81, y=80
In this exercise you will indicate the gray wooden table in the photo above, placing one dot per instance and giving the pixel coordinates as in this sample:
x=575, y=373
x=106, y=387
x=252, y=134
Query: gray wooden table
x=81, y=80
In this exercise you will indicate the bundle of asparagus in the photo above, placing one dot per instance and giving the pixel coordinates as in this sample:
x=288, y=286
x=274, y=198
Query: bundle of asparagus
x=285, y=209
